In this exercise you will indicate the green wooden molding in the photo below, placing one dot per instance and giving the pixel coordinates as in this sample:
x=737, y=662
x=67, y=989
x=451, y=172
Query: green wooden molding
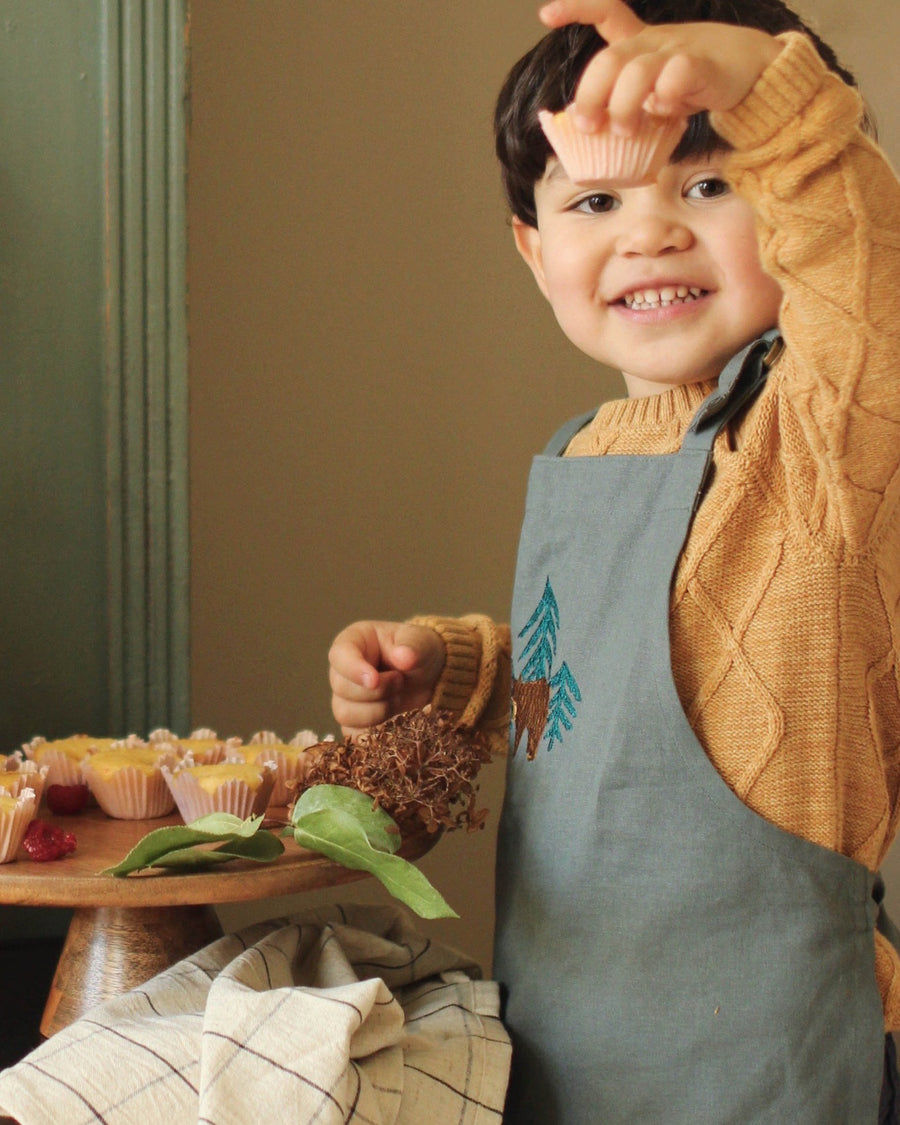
x=145, y=122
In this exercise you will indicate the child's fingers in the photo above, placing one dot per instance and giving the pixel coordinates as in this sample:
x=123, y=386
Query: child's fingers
x=616, y=84
x=355, y=654
x=613, y=18
x=358, y=689
x=685, y=85
x=355, y=717
x=370, y=659
x=416, y=650
x=621, y=88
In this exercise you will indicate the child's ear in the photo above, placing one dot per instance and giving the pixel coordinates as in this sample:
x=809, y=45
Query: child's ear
x=528, y=243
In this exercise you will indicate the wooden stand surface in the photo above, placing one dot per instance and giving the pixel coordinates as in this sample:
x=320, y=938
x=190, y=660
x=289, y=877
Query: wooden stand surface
x=125, y=930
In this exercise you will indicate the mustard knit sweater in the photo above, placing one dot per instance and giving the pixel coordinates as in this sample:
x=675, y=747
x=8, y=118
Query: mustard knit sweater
x=785, y=615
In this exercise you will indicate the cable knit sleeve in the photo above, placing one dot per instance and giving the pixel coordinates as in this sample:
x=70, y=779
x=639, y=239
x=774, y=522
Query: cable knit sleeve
x=475, y=679
x=828, y=211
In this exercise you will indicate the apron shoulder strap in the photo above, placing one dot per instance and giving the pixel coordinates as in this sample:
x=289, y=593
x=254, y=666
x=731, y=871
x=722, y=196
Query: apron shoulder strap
x=558, y=444
x=742, y=378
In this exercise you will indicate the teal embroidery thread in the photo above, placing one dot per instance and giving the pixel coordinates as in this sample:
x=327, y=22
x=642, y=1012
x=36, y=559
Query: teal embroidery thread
x=543, y=699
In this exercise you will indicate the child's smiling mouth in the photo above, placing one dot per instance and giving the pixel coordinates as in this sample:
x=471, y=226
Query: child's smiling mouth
x=648, y=298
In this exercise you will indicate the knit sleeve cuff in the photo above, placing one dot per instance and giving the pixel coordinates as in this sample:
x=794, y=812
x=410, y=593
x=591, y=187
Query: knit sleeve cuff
x=475, y=682
x=459, y=677
x=784, y=89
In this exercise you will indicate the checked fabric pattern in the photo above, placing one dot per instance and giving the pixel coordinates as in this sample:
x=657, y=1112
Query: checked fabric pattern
x=347, y=1014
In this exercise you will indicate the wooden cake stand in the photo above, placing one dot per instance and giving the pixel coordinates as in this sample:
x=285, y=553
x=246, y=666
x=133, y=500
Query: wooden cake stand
x=125, y=930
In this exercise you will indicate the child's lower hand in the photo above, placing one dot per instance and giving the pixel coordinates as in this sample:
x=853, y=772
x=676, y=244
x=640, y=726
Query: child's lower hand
x=672, y=70
x=380, y=668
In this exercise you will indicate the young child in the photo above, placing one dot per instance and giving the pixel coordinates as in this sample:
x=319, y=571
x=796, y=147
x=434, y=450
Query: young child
x=706, y=616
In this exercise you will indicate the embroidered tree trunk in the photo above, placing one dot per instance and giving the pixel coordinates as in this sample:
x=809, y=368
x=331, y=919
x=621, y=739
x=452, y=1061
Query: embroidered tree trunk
x=531, y=705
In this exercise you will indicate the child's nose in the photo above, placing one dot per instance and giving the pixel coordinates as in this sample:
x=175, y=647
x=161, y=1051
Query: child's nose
x=651, y=233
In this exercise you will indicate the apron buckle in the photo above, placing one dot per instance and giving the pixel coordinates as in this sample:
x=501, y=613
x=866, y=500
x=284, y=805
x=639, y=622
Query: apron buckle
x=774, y=353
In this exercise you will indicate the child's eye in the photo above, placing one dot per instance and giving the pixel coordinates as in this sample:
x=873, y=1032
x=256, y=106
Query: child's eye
x=712, y=187
x=597, y=204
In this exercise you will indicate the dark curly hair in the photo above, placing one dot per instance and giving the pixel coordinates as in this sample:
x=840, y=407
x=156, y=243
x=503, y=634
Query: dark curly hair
x=546, y=78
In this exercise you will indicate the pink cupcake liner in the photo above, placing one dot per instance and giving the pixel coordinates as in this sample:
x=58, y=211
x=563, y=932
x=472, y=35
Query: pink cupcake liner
x=290, y=769
x=131, y=793
x=130, y=742
x=232, y=796
x=628, y=161
x=63, y=769
x=203, y=746
x=14, y=825
x=307, y=738
x=29, y=775
x=288, y=759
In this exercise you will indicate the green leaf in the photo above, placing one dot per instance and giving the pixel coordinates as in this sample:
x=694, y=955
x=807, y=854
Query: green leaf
x=339, y=836
x=262, y=848
x=226, y=824
x=215, y=828
x=378, y=826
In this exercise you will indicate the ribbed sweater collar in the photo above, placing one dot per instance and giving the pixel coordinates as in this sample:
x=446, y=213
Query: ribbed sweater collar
x=679, y=404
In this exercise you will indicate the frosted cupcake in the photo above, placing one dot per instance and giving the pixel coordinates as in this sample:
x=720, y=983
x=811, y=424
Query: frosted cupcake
x=128, y=783
x=241, y=788
x=16, y=813
x=290, y=761
x=203, y=745
x=627, y=161
x=21, y=773
x=64, y=756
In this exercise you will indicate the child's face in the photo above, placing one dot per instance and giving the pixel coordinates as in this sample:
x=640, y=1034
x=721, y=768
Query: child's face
x=662, y=281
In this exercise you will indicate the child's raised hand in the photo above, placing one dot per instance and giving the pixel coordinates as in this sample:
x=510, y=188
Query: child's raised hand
x=380, y=668
x=672, y=70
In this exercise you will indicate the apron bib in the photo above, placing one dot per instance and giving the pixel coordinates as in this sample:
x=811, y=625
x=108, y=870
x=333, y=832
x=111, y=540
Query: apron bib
x=667, y=954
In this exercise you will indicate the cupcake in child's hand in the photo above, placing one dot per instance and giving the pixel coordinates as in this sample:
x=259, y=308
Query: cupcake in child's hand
x=241, y=788
x=128, y=782
x=291, y=761
x=606, y=156
x=16, y=813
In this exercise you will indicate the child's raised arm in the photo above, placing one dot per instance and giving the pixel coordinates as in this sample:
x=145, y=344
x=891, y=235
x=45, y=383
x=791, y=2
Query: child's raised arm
x=380, y=668
x=672, y=70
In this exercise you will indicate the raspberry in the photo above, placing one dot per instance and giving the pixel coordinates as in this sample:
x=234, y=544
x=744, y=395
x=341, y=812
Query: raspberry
x=45, y=841
x=67, y=798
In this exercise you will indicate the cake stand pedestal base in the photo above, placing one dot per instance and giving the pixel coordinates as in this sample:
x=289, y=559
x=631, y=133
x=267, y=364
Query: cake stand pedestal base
x=109, y=950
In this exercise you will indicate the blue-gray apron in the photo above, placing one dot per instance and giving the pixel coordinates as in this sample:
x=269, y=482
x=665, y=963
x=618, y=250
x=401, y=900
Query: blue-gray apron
x=667, y=954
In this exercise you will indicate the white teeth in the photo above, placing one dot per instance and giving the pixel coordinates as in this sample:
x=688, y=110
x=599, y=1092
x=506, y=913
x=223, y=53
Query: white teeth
x=661, y=298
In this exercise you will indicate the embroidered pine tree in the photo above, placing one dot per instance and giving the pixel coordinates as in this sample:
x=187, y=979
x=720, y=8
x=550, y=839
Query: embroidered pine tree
x=543, y=625
x=562, y=707
x=533, y=705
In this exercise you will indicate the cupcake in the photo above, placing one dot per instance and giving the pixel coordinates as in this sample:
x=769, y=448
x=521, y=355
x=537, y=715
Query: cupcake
x=64, y=757
x=20, y=773
x=627, y=161
x=203, y=745
x=289, y=759
x=16, y=813
x=128, y=783
x=241, y=788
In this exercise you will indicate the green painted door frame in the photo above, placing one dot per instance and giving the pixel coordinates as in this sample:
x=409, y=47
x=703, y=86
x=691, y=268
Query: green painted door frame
x=94, y=614
x=93, y=367
x=145, y=143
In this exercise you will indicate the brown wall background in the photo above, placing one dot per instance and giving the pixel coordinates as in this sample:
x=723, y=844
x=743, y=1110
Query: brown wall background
x=371, y=366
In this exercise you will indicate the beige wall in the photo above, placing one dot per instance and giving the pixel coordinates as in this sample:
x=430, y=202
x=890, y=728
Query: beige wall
x=371, y=368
